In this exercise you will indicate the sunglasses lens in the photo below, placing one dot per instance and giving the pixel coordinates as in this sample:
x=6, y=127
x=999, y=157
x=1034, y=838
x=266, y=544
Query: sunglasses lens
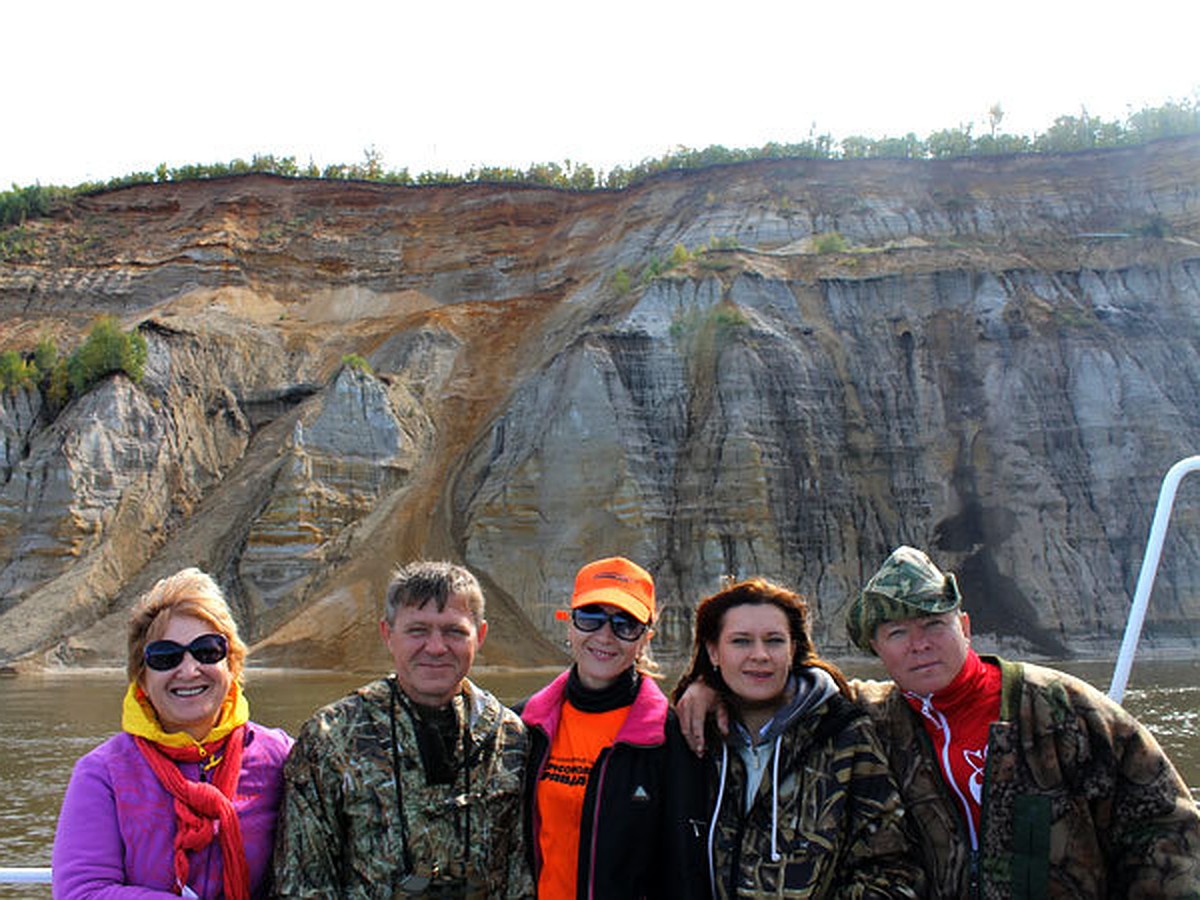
x=588, y=619
x=208, y=649
x=163, y=656
x=625, y=628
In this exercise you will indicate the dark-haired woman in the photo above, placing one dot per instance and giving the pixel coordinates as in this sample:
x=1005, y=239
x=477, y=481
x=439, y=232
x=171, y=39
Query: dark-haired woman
x=613, y=793
x=183, y=801
x=802, y=801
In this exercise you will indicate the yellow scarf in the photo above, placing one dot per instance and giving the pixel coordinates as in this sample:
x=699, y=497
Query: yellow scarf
x=139, y=719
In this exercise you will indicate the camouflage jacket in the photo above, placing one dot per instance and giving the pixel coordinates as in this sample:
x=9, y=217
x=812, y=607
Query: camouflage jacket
x=835, y=814
x=340, y=834
x=1078, y=798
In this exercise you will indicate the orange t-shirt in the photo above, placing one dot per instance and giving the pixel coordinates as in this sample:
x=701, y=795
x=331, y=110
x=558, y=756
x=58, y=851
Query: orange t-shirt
x=560, y=792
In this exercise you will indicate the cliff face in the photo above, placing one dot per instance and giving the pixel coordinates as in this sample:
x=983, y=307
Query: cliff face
x=997, y=360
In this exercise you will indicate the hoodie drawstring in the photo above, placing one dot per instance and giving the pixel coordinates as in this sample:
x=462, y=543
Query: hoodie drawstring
x=716, y=813
x=775, y=802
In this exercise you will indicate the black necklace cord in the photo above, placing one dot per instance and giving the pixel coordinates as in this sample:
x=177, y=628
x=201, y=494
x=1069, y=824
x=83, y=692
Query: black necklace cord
x=466, y=755
x=469, y=752
x=406, y=854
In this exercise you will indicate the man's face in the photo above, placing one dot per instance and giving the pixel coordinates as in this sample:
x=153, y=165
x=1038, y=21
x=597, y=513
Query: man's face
x=923, y=655
x=433, y=651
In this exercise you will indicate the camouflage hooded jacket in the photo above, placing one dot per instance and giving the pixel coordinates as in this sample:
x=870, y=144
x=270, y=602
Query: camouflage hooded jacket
x=340, y=833
x=825, y=822
x=1078, y=799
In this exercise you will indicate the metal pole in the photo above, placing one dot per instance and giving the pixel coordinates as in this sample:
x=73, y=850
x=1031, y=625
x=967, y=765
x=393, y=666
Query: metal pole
x=24, y=874
x=1141, y=596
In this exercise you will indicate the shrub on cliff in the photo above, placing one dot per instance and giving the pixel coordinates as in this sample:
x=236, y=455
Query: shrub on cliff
x=359, y=363
x=45, y=356
x=23, y=203
x=620, y=282
x=28, y=370
x=830, y=242
x=58, y=386
x=106, y=350
x=15, y=372
x=16, y=243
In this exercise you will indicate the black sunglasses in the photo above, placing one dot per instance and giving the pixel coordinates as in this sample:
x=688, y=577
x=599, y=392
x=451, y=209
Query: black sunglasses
x=592, y=618
x=163, y=656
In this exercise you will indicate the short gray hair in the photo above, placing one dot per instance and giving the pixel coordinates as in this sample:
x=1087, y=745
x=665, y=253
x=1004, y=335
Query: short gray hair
x=419, y=582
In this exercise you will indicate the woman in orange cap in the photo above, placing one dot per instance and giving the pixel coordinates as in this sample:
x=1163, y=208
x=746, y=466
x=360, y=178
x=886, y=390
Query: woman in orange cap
x=611, y=784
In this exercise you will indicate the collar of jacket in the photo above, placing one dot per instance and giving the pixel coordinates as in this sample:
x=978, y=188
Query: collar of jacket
x=482, y=711
x=139, y=718
x=645, y=724
x=1012, y=677
x=813, y=687
x=968, y=688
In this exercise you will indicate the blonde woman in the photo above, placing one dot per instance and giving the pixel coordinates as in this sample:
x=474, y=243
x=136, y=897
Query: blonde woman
x=182, y=802
x=613, y=793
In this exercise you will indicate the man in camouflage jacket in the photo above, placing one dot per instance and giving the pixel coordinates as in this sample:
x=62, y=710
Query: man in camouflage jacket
x=1062, y=793
x=411, y=785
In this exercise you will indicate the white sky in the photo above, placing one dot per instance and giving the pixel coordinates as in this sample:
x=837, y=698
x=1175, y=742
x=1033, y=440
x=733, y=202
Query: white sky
x=97, y=90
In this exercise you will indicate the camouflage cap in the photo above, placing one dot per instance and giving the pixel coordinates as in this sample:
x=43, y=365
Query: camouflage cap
x=907, y=585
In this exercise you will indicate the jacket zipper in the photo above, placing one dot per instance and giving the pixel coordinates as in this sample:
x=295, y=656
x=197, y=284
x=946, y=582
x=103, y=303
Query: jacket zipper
x=944, y=790
x=605, y=756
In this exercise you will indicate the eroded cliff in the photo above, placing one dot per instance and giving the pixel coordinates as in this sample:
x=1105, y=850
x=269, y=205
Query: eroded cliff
x=996, y=359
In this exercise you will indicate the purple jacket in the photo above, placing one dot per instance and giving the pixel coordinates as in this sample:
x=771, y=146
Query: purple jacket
x=116, y=830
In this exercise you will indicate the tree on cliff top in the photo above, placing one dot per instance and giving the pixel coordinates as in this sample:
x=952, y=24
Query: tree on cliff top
x=1068, y=133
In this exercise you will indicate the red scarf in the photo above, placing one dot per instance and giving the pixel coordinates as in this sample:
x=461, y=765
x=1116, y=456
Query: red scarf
x=204, y=809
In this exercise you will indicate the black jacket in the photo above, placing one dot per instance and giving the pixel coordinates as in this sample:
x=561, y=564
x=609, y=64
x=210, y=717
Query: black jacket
x=644, y=809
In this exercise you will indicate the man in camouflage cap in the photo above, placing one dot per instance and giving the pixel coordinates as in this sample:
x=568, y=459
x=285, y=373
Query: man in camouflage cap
x=1022, y=781
x=411, y=785
x=907, y=585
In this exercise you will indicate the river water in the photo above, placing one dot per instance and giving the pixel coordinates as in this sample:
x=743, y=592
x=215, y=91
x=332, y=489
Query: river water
x=48, y=721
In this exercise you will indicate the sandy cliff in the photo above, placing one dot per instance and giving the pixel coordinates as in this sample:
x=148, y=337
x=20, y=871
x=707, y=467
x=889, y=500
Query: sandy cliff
x=993, y=358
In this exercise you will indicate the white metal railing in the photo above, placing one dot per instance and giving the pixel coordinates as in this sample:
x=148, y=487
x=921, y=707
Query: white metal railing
x=1141, y=596
x=24, y=874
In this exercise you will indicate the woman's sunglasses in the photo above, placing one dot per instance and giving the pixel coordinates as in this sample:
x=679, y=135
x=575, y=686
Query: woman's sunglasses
x=162, y=656
x=592, y=618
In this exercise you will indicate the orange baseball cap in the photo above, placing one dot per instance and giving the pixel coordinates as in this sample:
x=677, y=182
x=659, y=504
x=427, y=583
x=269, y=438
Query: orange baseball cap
x=617, y=581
